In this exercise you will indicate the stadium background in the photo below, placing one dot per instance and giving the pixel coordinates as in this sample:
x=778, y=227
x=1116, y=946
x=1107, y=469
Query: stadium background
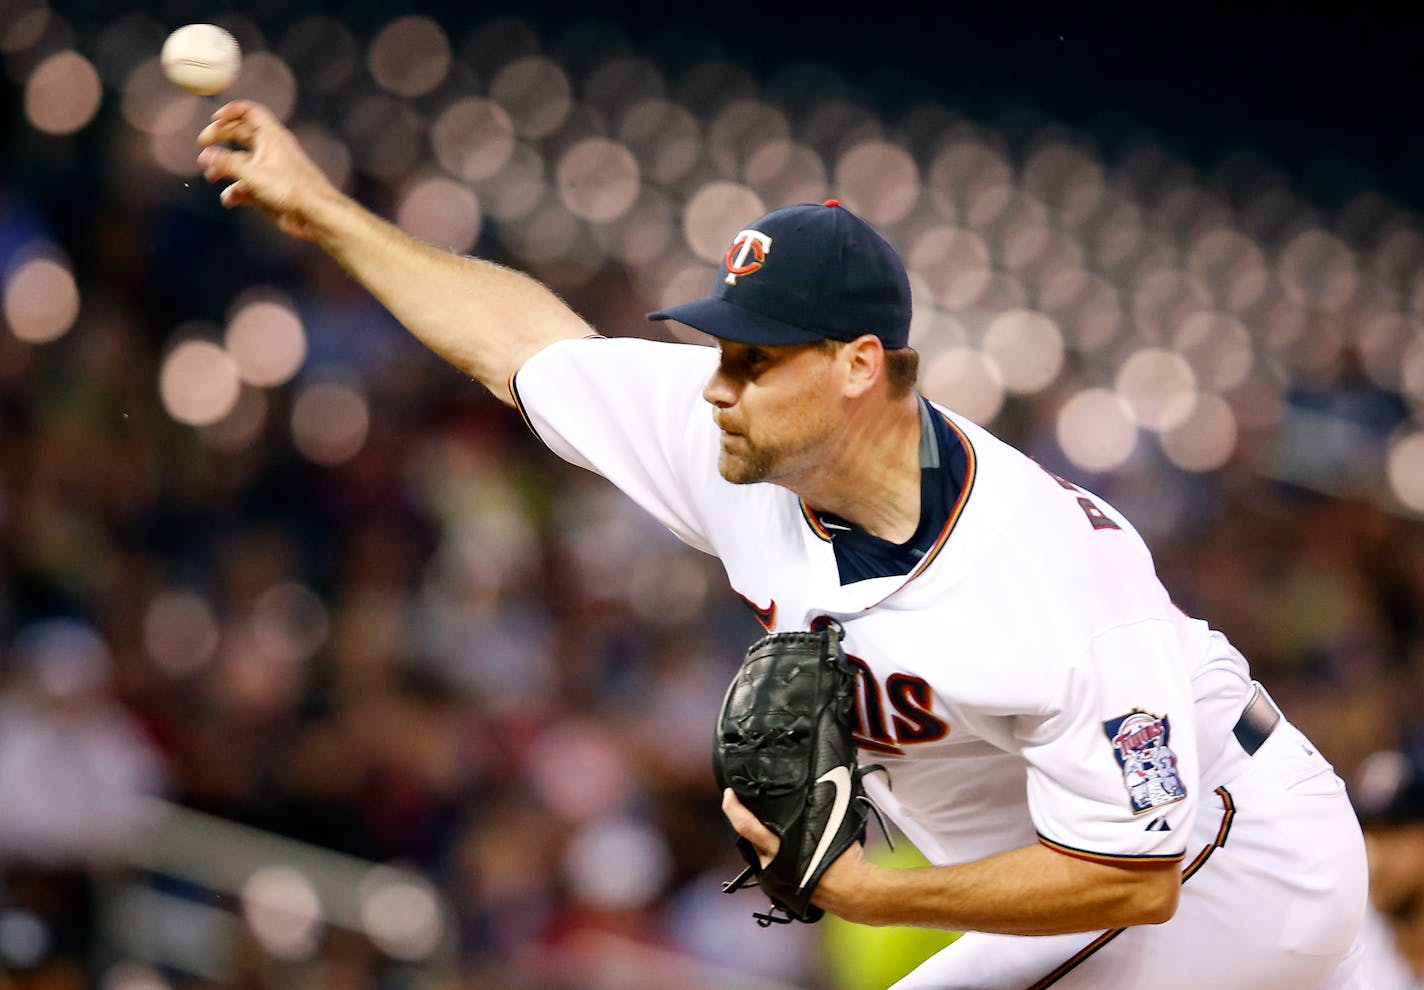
x=316, y=670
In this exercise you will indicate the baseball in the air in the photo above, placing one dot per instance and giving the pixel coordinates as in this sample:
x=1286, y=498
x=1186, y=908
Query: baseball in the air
x=201, y=58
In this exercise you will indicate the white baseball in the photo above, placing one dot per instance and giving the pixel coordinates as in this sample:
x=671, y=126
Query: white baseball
x=201, y=58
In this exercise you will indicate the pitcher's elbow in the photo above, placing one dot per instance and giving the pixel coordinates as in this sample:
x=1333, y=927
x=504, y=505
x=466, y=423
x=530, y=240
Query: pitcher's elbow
x=1159, y=903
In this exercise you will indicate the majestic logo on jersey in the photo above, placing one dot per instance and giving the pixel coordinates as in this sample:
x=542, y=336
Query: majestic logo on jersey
x=747, y=254
x=1149, y=767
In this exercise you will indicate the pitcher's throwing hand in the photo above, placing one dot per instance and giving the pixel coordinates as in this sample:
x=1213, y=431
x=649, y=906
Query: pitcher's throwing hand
x=246, y=143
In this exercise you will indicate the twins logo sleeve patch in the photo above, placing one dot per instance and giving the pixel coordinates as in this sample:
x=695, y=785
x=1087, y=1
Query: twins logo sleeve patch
x=1149, y=767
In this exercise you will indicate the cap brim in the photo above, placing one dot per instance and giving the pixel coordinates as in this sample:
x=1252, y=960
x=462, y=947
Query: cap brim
x=728, y=321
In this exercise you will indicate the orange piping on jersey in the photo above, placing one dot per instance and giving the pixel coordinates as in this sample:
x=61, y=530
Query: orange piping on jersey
x=1109, y=859
x=814, y=523
x=970, y=466
x=1227, y=817
x=875, y=746
x=765, y=616
x=514, y=391
x=954, y=513
x=519, y=404
x=1228, y=814
x=1077, y=958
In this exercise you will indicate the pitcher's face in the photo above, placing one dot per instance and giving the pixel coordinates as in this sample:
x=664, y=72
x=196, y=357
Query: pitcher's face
x=777, y=408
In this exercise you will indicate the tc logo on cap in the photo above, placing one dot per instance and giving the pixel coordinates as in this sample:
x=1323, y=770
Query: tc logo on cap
x=747, y=254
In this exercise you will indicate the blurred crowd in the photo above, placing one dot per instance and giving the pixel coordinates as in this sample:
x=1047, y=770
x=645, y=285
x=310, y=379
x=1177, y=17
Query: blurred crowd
x=452, y=651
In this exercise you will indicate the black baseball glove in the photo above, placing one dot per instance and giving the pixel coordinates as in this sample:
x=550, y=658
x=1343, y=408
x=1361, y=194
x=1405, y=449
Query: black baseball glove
x=784, y=746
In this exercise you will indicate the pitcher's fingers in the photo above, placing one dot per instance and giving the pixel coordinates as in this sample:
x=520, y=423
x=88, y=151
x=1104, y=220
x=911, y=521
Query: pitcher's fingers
x=237, y=130
x=235, y=195
x=222, y=163
x=747, y=824
x=232, y=128
x=255, y=114
x=239, y=121
x=236, y=108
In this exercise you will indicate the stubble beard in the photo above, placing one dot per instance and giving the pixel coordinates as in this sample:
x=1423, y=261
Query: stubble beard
x=745, y=468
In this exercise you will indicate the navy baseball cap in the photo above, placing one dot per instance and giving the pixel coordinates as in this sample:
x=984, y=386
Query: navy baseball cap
x=802, y=274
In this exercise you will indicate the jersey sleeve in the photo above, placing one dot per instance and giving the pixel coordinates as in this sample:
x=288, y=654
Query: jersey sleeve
x=630, y=410
x=1112, y=760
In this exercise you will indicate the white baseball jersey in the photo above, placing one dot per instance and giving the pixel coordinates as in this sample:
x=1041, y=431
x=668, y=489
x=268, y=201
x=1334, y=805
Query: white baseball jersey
x=1029, y=681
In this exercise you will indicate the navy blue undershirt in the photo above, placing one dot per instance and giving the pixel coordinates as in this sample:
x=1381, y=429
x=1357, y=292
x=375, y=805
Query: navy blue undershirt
x=944, y=463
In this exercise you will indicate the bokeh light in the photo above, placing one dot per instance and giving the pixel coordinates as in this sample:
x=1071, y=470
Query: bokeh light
x=598, y=179
x=1095, y=431
x=385, y=136
x=410, y=56
x=128, y=974
x=266, y=79
x=1405, y=469
x=1218, y=347
x=966, y=381
x=1231, y=266
x=548, y=235
x=1411, y=371
x=536, y=94
x=518, y=188
x=1067, y=178
x=621, y=840
x=171, y=141
x=327, y=151
x=400, y=913
x=622, y=81
x=198, y=382
x=954, y=264
x=324, y=53
x=180, y=632
x=1381, y=341
x=62, y=94
x=1165, y=298
x=691, y=281
x=289, y=623
x=24, y=940
x=441, y=212
x=878, y=180
x=282, y=909
x=265, y=338
x=1206, y=439
x=1020, y=231
x=330, y=421
x=970, y=180
x=741, y=129
x=784, y=173
x=123, y=43
x=148, y=99
x=715, y=214
x=1027, y=348
x=24, y=25
x=1158, y=387
x=473, y=138
x=664, y=137
x=241, y=427
x=41, y=298
x=644, y=233
x=1318, y=269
